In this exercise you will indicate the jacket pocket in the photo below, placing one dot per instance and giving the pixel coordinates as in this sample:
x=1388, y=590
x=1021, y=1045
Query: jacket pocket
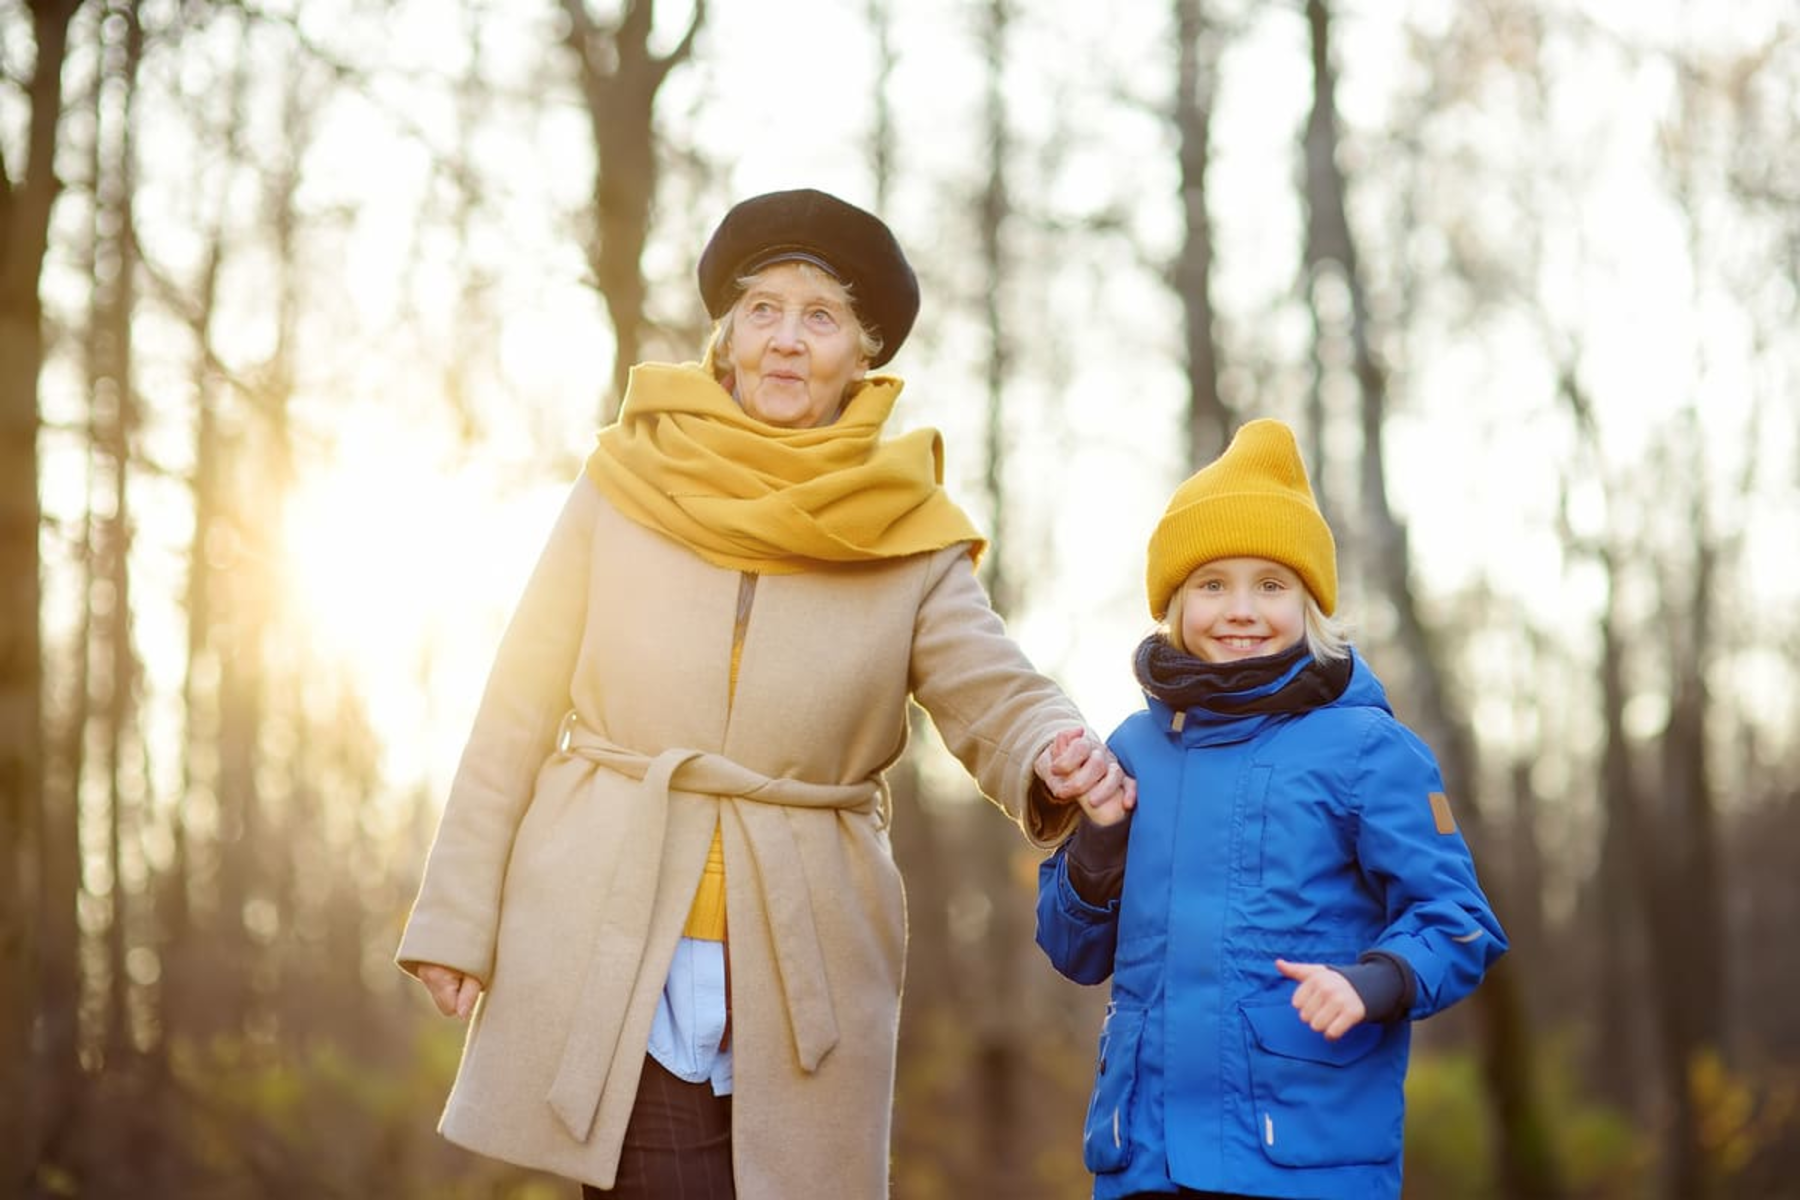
x=1319, y=1103
x=1106, y=1140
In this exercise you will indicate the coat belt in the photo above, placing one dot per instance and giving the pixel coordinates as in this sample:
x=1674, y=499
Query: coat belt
x=592, y=1043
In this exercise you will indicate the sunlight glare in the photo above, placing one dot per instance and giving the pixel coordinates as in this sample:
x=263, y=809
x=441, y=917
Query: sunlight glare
x=402, y=566
x=371, y=549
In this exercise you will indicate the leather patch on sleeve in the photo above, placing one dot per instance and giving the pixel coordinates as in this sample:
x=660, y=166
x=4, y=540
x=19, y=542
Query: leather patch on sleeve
x=1440, y=812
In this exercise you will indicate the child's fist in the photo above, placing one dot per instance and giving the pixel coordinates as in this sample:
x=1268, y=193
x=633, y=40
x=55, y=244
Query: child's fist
x=1325, y=1000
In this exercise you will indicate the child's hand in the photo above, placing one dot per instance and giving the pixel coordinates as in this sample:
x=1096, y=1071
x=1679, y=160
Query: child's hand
x=1113, y=800
x=1078, y=768
x=1324, y=999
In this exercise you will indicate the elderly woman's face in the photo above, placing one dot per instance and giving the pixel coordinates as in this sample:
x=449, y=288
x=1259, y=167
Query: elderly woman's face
x=795, y=346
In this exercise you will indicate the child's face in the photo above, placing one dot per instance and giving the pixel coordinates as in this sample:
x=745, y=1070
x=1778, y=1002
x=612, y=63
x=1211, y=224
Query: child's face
x=1236, y=608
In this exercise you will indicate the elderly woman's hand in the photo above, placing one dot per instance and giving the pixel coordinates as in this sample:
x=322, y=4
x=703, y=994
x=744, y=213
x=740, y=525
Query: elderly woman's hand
x=1078, y=768
x=452, y=991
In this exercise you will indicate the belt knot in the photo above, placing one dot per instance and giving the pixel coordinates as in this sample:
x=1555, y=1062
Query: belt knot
x=591, y=1048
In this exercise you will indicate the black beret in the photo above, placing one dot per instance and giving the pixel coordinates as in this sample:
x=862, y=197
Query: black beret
x=855, y=246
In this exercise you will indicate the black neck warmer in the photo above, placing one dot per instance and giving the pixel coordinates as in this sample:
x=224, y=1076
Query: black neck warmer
x=1184, y=682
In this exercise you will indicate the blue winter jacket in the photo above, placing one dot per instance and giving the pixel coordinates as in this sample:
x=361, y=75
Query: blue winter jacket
x=1312, y=837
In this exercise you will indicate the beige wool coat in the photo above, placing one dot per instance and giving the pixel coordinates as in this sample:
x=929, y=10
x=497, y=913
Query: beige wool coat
x=604, y=751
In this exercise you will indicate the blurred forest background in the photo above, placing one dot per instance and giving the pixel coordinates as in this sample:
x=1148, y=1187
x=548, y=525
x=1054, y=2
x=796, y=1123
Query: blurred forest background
x=308, y=313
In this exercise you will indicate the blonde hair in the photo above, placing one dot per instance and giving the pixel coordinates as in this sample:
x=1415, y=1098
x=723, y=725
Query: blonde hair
x=718, y=346
x=1327, y=637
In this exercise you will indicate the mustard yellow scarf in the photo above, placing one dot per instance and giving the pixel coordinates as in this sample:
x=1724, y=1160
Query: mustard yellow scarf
x=685, y=460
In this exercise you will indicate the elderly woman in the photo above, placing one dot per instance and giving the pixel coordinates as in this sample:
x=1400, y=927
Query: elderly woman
x=662, y=884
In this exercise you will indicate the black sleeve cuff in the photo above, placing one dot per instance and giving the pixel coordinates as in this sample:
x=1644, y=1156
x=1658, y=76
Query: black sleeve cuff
x=1048, y=820
x=1384, y=983
x=1096, y=861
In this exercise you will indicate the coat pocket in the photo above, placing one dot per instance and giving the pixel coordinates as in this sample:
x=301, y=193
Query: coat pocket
x=1106, y=1140
x=1319, y=1103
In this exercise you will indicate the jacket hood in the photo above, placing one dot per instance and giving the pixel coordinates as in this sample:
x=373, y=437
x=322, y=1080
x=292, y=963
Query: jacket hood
x=1365, y=690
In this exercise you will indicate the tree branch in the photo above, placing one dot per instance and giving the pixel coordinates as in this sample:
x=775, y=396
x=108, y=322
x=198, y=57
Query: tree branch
x=684, y=48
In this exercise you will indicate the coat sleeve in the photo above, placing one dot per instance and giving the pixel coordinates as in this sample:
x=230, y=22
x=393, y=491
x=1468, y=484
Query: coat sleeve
x=994, y=710
x=457, y=912
x=1408, y=846
x=1078, y=937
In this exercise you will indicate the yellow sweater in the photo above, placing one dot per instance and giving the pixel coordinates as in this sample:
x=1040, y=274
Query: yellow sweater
x=706, y=919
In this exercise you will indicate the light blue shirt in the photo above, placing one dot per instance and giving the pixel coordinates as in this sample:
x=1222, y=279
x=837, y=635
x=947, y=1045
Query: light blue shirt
x=690, y=1016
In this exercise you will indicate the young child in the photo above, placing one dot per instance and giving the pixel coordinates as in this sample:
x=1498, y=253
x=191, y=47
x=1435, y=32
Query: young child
x=1290, y=891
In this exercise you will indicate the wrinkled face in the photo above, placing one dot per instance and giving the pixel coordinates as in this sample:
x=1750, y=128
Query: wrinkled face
x=795, y=346
x=1236, y=608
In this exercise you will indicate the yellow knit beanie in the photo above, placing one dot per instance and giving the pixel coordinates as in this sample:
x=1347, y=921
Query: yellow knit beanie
x=1253, y=501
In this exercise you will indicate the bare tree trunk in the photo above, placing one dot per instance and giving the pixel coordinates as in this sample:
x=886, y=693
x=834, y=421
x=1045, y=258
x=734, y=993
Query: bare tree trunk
x=1669, y=851
x=1526, y=931
x=25, y=203
x=1210, y=418
x=1526, y=1162
x=1666, y=887
x=179, y=910
x=112, y=389
x=181, y=977
x=999, y=1068
x=1618, y=877
x=473, y=97
x=1626, y=878
x=882, y=138
x=183, y=1013
x=1682, y=889
x=60, y=1087
x=918, y=848
x=994, y=208
x=620, y=78
x=253, y=859
x=1692, y=623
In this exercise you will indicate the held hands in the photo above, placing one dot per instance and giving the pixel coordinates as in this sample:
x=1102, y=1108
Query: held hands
x=1324, y=999
x=1078, y=768
x=453, y=992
